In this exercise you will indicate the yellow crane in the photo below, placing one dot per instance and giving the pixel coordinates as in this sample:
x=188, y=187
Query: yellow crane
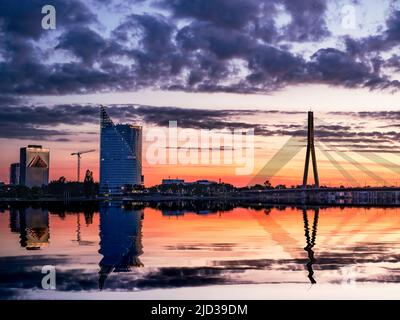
x=78, y=155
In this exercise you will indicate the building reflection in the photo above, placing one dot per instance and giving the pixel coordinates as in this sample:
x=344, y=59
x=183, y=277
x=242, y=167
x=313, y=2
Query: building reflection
x=33, y=226
x=310, y=242
x=14, y=220
x=120, y=239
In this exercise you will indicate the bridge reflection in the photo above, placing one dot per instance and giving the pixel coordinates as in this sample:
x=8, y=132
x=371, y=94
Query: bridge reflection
x=310, y=239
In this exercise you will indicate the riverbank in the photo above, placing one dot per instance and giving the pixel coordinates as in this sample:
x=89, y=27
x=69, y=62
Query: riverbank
x=184, y=201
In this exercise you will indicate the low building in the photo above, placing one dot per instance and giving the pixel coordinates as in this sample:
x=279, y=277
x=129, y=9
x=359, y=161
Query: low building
x=172, y=181
x=205, y=182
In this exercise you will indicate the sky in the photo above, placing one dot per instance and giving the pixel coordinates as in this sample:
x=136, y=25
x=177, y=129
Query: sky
x=207, y=64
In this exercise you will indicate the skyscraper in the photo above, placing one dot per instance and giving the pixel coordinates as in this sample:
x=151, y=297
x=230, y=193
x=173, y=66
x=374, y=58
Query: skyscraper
x=120, y=155
x=14, y=173
x=34, y=166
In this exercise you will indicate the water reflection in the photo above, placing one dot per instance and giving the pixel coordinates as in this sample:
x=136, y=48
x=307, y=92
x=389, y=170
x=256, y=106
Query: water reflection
x=88, y=220
x=120, y=239
x=310, y=242
x=101, y=246
x=33, y=226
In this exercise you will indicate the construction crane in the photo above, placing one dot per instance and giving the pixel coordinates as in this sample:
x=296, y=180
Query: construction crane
x=78, y=155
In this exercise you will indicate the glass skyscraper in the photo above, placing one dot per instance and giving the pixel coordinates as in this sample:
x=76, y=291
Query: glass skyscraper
x=120, y=155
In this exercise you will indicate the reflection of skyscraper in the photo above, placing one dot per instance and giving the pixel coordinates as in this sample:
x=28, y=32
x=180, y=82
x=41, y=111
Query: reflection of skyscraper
x=14, y=173
x=34, y=228
x=34, y=166
x=120, y=154
x=120, y=239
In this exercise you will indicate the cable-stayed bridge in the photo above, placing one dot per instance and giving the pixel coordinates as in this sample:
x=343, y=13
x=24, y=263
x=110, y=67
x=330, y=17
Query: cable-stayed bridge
x=315, y=148
x=381, y=193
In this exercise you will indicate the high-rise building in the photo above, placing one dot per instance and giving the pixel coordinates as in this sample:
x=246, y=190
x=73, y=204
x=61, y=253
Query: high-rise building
x=120, y=155
x=14, y=173
x=34, y=166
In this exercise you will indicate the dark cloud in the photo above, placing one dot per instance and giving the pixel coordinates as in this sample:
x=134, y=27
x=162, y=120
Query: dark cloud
x=375, y=44
x=22, y=69
x=51, y=116
x=393, y=62
x=215, y=40
x=196, y=45
x=23, y=18
x=83, y=43
x=225, y=13
x=336, y=67
x=28, y=132
x=377, y=115
x=308, y=20
x=38, y=123
x=46, y=123
x=9, y=100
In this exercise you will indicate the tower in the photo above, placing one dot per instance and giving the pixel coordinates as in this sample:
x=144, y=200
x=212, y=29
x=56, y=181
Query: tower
x=120, y=155
x=34, y=166
x=310, y=152
x=14, y=173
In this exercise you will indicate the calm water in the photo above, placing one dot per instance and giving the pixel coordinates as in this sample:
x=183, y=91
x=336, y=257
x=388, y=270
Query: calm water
x=185, y=249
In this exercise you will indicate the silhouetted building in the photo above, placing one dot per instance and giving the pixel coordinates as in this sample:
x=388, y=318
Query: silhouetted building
x=120, y=239
x=120, y=155
x=205, y=182
x=172, y=181
x=14, y=173
x=34, y=166
x=14, y=220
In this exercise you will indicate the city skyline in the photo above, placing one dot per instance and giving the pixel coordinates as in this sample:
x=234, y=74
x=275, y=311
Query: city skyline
x=193, y=150
x=298, y=130
x=157, y=61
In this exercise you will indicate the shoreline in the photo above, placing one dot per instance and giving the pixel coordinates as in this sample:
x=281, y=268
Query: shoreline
x=238, y=201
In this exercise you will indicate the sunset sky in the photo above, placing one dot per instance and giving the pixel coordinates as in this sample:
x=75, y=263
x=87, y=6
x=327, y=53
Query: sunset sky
x=207, y=64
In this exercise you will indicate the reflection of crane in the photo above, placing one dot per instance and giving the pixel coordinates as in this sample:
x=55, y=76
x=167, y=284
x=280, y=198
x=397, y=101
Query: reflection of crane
x=78, y=155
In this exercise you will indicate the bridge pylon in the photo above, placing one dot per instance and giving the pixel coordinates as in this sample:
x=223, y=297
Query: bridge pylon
x=310, y=152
